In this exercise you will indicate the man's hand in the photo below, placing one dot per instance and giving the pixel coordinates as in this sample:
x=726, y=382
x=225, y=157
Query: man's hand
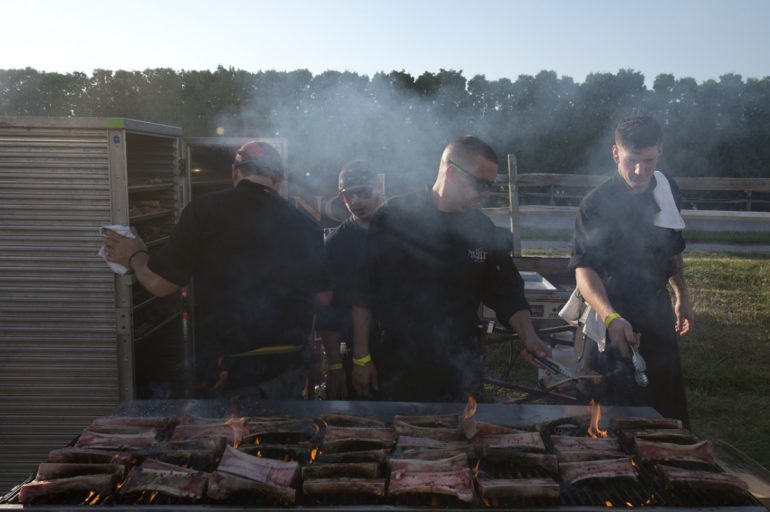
x=684, y=315
x=120, y=248
x=621, y=335
x=336, y=385
x=364, y=379
x=534, y=346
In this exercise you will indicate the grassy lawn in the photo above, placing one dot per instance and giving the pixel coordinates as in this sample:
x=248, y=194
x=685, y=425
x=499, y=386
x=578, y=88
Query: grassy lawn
x=725, y=359
x=704, y=237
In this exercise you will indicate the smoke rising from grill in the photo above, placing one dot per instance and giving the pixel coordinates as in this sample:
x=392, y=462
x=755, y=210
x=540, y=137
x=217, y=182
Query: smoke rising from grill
x=401, y=125
x=552, y=124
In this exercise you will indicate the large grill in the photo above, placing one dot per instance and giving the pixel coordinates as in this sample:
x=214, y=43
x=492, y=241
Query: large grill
x=645, y=492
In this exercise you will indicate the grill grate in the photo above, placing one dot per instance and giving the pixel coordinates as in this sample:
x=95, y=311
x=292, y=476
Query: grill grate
x=647, y=492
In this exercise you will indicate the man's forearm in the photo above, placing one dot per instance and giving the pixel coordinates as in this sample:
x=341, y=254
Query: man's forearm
x=619, y=331
x=521, y=322
x=677, y=281
x=151, y=281
x=593, y=291
x=361, y=320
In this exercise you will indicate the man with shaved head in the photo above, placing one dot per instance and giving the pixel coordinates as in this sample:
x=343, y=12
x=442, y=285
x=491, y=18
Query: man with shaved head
x=259, y=269
x=429, y=260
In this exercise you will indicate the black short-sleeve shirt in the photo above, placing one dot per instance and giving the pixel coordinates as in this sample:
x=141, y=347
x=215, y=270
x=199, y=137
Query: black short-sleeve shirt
x=615, y=236
x=257, y=264
x=423, y=273
x=343, y=250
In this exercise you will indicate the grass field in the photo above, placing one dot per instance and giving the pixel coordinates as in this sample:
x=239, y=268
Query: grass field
x=725, y=359
x=711, y=237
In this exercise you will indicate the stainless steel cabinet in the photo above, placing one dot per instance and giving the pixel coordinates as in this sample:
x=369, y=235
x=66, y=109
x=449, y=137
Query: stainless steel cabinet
x=75, y=338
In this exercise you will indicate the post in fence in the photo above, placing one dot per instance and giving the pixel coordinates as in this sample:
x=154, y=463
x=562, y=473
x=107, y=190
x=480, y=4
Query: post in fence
x=513, y=203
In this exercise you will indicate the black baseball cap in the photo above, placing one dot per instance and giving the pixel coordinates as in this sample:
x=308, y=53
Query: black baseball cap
x=356, y=174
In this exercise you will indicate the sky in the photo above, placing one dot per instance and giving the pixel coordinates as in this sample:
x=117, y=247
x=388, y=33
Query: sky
x=701, y=39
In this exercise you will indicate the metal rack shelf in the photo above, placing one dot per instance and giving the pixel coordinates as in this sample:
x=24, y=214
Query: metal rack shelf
x=150, y=216
x=146, y=302
x=157, y=242
x=157, y=327
x=149, y=188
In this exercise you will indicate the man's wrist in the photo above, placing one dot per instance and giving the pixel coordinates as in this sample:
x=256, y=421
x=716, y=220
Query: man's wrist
x=137, y=253
x=611, y=318
x=362, y=361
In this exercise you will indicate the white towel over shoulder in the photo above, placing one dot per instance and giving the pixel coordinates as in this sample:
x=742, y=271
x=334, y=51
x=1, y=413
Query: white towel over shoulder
x=668, y=216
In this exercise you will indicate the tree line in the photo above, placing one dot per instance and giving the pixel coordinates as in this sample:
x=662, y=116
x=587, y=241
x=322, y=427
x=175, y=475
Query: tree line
x=400, y=122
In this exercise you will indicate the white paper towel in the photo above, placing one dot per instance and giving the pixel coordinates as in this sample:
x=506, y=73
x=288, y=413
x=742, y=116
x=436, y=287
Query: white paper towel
x=121, y=230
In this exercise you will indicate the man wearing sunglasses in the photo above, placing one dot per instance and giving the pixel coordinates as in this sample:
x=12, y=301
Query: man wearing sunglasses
x=429, y=261
x=360, y=192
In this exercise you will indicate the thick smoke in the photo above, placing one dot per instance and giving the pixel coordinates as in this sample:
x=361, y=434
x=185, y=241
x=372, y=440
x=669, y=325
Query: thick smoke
x=401, y=124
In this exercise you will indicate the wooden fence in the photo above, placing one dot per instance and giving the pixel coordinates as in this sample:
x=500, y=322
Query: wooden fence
x=559, y=182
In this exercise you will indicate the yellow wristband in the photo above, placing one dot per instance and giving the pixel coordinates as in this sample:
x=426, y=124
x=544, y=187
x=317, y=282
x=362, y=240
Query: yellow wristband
x=610, y=318
x=333, y=367
x=363, y=361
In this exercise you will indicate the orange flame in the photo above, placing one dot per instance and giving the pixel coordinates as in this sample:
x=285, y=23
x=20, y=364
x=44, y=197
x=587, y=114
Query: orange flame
x=470, y=408
x=487, y=503
x=476, y=468
x=153, y=495
x=629, y=504
x=596, y=414
x=313, y=454
x=88, y=498
x=608, y=504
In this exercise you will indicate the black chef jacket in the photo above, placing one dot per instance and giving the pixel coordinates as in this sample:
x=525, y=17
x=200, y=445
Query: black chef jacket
x=343, y=250
x=616, y=237
x=257, y=264
x=423, y=275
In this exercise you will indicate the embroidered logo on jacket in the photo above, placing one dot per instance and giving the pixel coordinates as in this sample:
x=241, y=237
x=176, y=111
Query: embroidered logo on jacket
x=478, y=255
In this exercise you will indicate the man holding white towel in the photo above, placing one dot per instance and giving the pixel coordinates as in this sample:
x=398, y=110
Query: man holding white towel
x=259, y=268
x=628, y=244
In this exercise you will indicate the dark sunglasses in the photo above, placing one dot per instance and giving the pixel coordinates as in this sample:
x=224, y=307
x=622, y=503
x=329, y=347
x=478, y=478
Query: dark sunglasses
x=361, y=192
x=481, y=185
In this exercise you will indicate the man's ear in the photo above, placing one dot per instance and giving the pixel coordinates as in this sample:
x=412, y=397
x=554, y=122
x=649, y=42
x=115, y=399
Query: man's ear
x=450, y=172
x=615, y=153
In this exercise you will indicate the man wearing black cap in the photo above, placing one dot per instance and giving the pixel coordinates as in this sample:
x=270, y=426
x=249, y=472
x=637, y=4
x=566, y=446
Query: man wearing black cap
x=259, y=270
x=360, y=191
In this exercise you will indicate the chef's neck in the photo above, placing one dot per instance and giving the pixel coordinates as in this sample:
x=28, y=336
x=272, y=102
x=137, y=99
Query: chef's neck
x=258, y=179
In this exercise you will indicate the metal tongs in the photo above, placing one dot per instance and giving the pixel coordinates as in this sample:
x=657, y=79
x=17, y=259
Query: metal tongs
x=640, y=366
x=556, y=367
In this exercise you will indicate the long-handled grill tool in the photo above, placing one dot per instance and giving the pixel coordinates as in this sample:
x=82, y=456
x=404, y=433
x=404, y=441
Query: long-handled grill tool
x=554, y=366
